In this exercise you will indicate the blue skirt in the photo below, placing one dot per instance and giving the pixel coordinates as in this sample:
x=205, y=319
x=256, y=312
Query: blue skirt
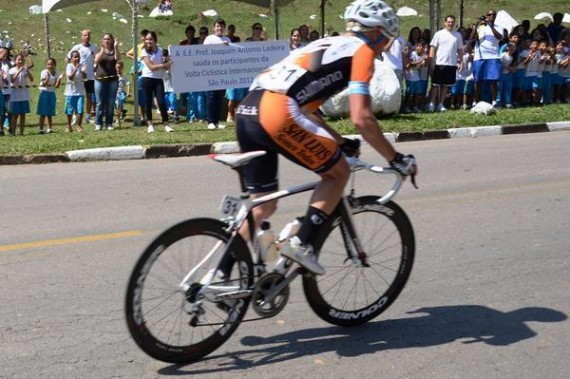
x=46, y=104
x=19, y=107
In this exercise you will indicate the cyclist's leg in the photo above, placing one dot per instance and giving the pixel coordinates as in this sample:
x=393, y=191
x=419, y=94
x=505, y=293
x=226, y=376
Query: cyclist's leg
x=303, y=139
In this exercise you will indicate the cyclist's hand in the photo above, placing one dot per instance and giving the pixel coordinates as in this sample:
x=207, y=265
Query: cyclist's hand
x=350, y=147
x=405, y=165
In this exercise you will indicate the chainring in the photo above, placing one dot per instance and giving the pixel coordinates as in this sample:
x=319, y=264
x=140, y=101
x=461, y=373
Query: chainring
x=266, y=287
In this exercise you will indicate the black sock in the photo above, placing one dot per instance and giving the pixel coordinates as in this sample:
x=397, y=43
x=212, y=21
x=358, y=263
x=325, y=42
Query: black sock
x=314, y=219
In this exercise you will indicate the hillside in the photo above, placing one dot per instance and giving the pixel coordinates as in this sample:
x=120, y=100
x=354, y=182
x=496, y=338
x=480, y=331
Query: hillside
x=19, y=24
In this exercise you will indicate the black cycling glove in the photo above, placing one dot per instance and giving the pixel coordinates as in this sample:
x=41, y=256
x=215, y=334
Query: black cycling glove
x=405, y=165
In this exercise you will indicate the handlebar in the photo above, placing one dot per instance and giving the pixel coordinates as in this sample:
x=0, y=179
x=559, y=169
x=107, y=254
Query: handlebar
x=356, y=164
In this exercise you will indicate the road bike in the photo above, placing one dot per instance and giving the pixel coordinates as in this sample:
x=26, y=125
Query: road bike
x=192, y=286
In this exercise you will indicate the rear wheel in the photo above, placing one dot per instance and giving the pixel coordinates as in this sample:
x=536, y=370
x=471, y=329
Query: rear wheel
x=349, y=293
x=181, y=324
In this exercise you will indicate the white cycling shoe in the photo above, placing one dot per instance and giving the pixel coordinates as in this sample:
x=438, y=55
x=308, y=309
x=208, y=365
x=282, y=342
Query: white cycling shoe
x=303, y=255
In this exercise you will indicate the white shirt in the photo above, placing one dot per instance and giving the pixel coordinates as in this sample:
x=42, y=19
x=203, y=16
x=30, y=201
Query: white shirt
x=74, y=86
x=413, y=73
x=86, y=57
x=532, y=66
x=51, y=80
x=447, y=45
x=19, y=91
x=487, y=47
x=5, y=67
x=506, y=60
x=213, y=39
x=394, y=54
x=155, y=57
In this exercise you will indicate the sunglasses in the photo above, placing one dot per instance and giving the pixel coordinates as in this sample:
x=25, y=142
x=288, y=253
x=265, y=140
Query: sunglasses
x=258, y=28
x=491, y=14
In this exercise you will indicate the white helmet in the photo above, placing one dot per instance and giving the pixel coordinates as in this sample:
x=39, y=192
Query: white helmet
x=374, y=13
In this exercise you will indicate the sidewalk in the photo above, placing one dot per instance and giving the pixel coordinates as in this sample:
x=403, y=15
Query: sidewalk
x=171, y=151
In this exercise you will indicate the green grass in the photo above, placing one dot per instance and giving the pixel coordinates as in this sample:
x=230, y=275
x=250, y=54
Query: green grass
x=186, y=133
x=22, y=26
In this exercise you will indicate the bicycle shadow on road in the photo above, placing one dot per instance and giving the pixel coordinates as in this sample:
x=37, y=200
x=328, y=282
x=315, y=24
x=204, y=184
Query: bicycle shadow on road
x=433, y=326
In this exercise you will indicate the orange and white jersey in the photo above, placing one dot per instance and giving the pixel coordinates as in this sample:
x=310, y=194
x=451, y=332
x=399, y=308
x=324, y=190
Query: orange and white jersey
x=314, y=73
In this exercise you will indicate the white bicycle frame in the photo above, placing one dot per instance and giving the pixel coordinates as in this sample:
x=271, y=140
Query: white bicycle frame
x=238, y=209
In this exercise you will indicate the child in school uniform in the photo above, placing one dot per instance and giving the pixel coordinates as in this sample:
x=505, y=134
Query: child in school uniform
x=122, y=92
x=564, y=72
x=74, y=91
x=415, y=62
x=557, y=53
x=507, y=76
x=531, y=76
x=519, y=84
x=19, y=105
x=50, y=79
x=169, y=95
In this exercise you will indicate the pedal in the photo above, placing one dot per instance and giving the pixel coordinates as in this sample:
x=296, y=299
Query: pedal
x=241, y=294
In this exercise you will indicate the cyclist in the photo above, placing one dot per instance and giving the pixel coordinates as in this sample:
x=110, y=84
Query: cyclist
x=279, y=116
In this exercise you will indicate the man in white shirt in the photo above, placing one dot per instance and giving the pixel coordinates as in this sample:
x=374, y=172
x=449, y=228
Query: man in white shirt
x=445, y=53
x=487, y=63
x=214, y=98
x=394, y=57
x=87, y=52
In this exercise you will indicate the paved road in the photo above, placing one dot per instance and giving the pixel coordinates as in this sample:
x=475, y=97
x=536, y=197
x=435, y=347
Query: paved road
x=488, y=297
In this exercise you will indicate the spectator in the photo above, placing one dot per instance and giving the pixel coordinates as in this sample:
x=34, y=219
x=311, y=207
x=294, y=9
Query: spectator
x=153, y=69
x=74, y=90
x=214, y=98
x=486, y=63
x=508, y=68
x=555, y=27
x=304, y=35
x=413, y=37
x=87, y=53
x=190, y=39
x=106, y=81
x=525, y=35
x=295, y=39
x=531, y=62
x=394, y=54
x=232, y=34
x=19, y=105
x=5, y=65
x=416, y=61
x=314, y=35
x=196, y=104
x=446, y=54
x=547, y=73
x=256, y=30
x=123, y=91
x=235, y=95
x=50, y=79
x=169, y=94
x=140, y=46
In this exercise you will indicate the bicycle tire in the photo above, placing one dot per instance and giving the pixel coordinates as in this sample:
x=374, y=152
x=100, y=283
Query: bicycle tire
x=349, y=295
x=156, y=307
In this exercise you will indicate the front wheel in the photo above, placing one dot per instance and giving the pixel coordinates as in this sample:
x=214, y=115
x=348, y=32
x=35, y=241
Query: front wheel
x=170, y=316
x=350, y=294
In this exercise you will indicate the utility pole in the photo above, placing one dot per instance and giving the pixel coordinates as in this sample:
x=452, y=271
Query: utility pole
x=434, y=15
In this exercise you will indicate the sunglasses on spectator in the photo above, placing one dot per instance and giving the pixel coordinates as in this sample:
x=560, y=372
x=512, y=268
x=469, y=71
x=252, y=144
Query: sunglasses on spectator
x=257, y=28
x=491, y=14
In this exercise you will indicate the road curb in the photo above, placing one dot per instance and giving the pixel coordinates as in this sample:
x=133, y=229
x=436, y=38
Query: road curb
x=170, y=151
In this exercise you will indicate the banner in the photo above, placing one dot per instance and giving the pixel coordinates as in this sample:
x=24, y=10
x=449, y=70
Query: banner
x=213, y=67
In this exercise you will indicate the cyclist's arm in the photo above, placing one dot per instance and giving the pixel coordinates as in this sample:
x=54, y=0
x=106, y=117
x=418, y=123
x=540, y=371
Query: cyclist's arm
x=365, y=121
